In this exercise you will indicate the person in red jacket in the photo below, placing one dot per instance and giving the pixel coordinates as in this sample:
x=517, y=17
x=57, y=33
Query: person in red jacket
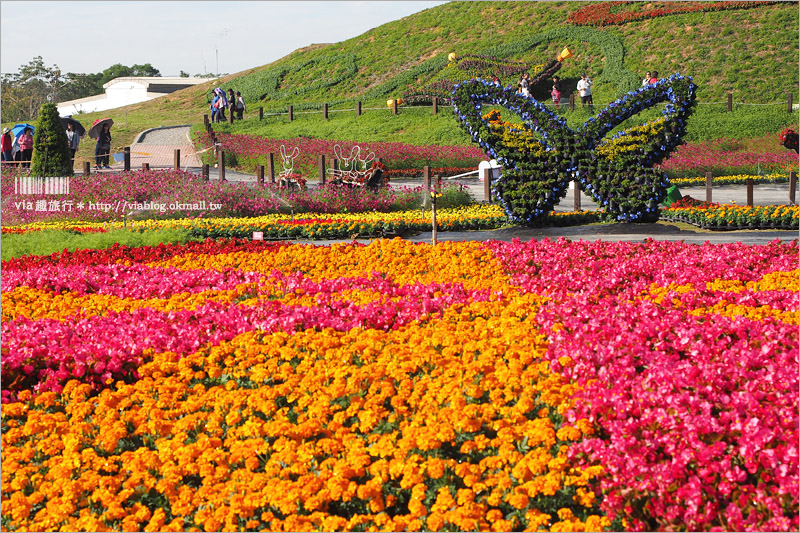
x=6, y=145
x=26, y=147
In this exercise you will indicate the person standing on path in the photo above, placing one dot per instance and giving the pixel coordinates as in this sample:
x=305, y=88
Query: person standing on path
x=525, y=85
x=556, y=92
x=214, y=107
x=26, y=148
x=239, y=106
x=103, y=147
x=223, y=103
x=6, y=145
x=231, y=104
x=73, y=139
x=585, y=90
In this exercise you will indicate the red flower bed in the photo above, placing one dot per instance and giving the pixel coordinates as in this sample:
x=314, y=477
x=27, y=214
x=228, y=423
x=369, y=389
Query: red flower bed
x=309, y=221
x=601, y=14
x=18, y=231
x=688, y=201
x=119, y=253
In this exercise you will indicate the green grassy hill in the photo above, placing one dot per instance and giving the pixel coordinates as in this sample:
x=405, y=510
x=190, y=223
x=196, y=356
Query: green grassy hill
x=751, y=52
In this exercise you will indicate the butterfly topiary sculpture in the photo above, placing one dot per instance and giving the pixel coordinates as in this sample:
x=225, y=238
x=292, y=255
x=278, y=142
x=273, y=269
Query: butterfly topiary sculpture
x=617, y=172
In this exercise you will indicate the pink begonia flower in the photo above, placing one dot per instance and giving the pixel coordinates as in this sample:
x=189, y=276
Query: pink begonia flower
x=689, y=406
x=95, y=348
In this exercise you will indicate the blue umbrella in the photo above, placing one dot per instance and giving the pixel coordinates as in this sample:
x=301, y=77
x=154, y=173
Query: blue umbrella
x=221, y=94
x=19, y=129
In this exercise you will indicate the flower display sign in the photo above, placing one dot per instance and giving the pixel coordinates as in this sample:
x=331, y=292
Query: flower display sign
x=618, y=173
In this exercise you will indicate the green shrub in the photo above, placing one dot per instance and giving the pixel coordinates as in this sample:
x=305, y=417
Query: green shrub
x=51, y=154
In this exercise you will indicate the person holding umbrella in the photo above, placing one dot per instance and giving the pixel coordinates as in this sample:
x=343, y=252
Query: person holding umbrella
x=101, y=130
x=223, y=104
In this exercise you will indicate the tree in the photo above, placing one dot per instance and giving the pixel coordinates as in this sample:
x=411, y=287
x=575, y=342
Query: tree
x=24, y=92
x=120, y=71
x=184, y=74
x=80, y=86
x=51, y=155
x=145, y=70
x=115, y=71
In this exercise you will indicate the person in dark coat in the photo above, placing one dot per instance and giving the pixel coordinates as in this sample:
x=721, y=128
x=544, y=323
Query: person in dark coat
x=103, y=147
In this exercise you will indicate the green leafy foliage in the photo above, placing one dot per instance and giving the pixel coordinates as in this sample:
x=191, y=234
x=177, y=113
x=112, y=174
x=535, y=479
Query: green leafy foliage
x=51, y=154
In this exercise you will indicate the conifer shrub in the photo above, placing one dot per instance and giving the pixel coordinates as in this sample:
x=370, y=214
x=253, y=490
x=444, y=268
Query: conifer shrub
x=51, y=154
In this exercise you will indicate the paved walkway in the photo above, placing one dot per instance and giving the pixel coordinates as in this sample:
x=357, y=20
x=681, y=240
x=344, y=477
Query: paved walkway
x=157, y=147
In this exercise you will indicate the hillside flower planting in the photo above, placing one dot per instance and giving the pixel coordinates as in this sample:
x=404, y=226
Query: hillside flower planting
x=468, y=66
x=240, y=385
x=608, y=13
x=716, y=157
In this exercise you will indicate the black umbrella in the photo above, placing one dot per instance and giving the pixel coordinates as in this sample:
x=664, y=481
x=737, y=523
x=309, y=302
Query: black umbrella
x=77, y=126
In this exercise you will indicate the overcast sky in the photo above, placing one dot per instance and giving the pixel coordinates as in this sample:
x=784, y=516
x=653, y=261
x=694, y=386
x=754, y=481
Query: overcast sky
x=88, y=37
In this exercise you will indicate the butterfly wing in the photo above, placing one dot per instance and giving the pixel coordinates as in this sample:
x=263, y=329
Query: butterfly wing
x=618, y=172
x=535, y=169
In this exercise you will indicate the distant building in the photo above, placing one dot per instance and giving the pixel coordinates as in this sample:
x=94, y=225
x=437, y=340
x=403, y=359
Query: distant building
x=126, y=91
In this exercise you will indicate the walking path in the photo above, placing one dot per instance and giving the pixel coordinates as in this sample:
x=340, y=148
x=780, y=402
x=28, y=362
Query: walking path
x=157, y=146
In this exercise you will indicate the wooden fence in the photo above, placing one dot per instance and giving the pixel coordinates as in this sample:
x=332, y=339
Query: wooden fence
x=395, y=109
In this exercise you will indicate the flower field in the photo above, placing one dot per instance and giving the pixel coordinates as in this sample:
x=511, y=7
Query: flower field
x=325, y=225
x=731, y=217
x=552, y=385
x=735, y=179
x=173, y=194
x=718, y=157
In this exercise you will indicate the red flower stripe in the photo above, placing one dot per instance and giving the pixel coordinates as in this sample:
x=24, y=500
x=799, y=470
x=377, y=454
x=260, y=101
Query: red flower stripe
x=601, y=14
